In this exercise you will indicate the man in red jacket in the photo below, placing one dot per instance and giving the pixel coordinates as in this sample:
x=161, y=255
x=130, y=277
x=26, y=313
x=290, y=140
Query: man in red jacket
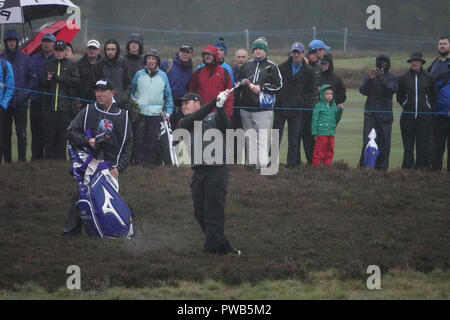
x=211, y=79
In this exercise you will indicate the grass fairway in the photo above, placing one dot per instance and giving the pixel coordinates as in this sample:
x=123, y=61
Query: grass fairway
x=305, y=233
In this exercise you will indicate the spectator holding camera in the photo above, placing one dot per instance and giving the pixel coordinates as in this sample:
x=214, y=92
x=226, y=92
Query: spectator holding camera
x=379, y=86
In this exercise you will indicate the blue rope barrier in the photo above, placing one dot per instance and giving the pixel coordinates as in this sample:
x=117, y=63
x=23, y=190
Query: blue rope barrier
x=253, y=108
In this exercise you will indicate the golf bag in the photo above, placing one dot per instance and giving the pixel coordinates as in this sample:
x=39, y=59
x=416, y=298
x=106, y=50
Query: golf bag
x=371, y=152
x=165, y=143
x=102, y=210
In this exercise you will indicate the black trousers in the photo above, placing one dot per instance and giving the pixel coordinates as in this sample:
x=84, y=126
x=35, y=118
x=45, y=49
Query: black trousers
x=294, y=122
x=416, y=133
x=148, y=151
x=55, y=126
x=19, y=115
x=383, y=129
x=37, y=130
x=306, y=136
x=73, y=222
x=209, y=188
x=441, y=127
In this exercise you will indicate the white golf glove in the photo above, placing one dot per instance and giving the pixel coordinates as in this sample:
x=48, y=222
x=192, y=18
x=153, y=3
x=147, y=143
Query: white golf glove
x=221, y=98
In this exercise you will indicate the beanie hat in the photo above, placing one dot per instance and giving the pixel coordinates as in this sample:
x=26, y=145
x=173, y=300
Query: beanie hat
x=260, y=43
x=220, y=44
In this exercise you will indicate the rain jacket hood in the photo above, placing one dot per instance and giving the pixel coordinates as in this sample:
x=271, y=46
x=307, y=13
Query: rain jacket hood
x=214, y=50
x=136, y=37
x=381, y=58
x=322, y=94
x=329, y=58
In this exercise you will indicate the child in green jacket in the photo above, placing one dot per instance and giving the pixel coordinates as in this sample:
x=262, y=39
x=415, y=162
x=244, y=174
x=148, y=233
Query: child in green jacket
x=325, y=118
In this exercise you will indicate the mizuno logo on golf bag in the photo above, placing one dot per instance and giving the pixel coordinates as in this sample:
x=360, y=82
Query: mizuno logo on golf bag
x=108, y=207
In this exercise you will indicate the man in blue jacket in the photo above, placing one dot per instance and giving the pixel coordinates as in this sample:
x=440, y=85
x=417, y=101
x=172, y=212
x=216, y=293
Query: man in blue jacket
x=36, y=106
x=179, y=71
x=25, y=80
x=442, y=122
x=6, y=93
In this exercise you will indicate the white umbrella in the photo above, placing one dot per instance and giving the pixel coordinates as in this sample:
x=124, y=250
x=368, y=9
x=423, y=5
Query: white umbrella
x=22, y=11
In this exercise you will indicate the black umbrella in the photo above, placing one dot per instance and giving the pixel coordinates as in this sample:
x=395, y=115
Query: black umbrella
x=24, y=11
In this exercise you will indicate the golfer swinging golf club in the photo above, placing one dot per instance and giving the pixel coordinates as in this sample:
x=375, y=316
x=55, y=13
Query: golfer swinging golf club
x=209, y=181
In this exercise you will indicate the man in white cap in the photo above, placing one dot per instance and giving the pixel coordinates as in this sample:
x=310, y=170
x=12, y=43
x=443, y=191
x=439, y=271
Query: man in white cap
x=86, y=69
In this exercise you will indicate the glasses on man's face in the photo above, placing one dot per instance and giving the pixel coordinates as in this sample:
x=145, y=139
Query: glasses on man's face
x=111, y=49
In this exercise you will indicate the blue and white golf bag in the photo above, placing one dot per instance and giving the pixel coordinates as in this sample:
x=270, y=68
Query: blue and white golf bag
x=103, y=211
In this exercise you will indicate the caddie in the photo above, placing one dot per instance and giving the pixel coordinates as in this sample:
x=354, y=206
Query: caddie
x=107, y=118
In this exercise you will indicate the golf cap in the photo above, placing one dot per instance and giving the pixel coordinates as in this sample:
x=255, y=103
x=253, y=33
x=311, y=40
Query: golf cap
x=49, y=37
x=191, y=96
x=318, y=44
x=104, y=84
x=297, y=46
x=93, y=43
x=60, y=44
x=187, y=48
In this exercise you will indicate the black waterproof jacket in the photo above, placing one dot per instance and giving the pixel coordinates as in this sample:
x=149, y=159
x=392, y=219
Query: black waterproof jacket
x=85, y=89
x=311, y=84
x=331, y=78
x=134, y=62
x=60, y=88
x=417, y=93
x=289, y=97
x=380, y=92
x=264, y=73
x=116, y=71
